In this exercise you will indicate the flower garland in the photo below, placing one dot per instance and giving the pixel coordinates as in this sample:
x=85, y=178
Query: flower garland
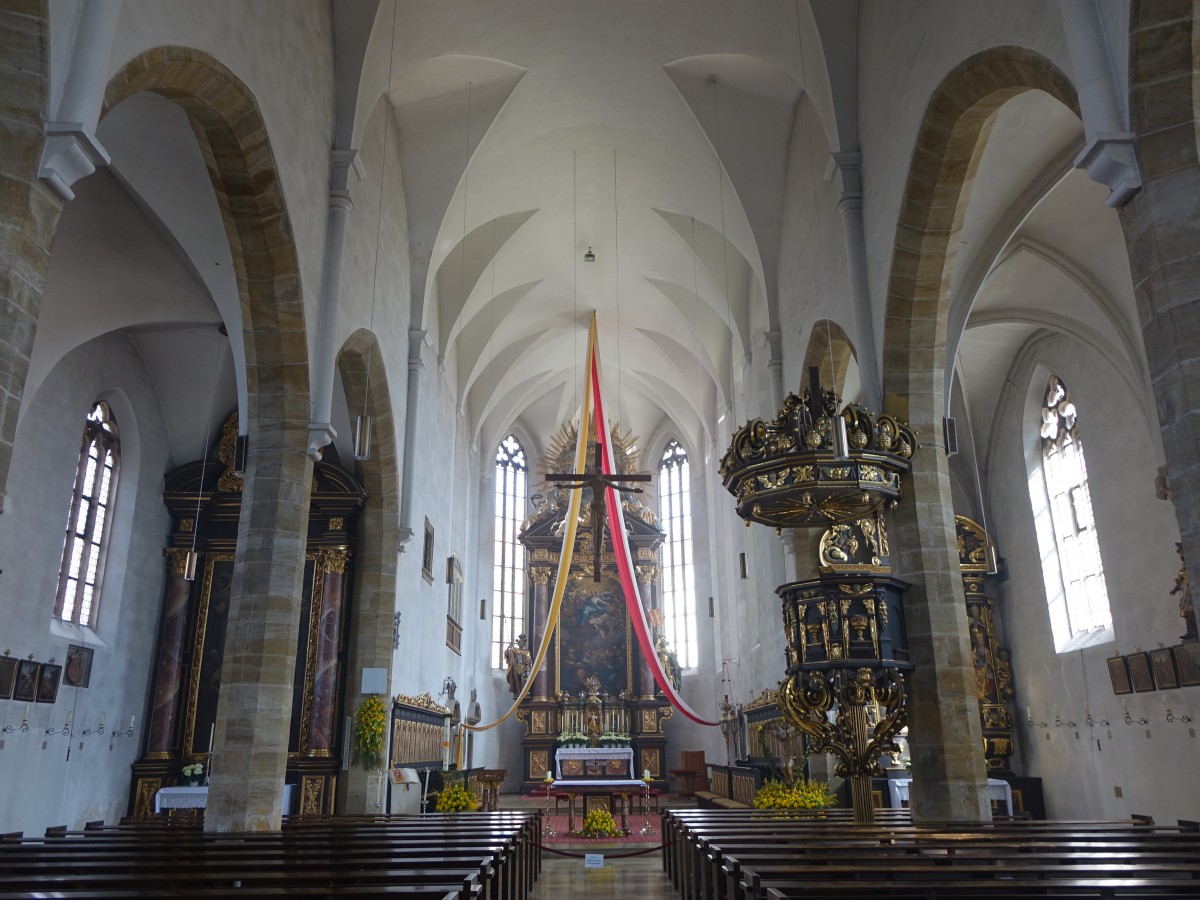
x=600, y=823
x=800, y=794
x=370, y=720
x=455, y=798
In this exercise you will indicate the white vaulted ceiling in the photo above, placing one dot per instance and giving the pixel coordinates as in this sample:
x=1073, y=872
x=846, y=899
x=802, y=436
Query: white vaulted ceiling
x=593, y=125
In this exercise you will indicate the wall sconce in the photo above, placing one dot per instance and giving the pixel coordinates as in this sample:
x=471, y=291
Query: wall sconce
x=1171, y=717
x=1089, y=721
x=1029, y=719
x=23, y=727
x=65, y=731
x=128, y=732
x=589, y=256
x=1130, y=720
x=99, y=729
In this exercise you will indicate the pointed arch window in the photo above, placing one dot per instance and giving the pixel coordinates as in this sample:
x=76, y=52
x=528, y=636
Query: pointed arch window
x=508, y=556
x=82, y=569
x=1076, y=590
x=678, y=577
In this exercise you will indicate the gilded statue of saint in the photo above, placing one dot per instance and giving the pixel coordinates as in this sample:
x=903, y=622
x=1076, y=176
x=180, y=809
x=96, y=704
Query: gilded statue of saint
x=1184, y=589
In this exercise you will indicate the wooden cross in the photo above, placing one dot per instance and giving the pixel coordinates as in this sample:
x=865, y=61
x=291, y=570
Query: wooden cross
x=598, y=481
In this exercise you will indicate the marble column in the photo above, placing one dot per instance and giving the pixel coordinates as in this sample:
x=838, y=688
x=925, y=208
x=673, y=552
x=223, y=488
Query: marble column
x=329, y=630
x=541, y=610
x=647, y=576
x=168, y=680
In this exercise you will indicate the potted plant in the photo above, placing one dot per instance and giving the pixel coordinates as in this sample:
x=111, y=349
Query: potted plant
x=600, y=823
x=193, y=773
x=797, y=794
x=370, y=721
x=455, y=798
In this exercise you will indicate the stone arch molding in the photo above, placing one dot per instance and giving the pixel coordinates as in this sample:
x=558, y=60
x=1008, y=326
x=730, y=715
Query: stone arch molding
x=265, y=595
x=932, y=212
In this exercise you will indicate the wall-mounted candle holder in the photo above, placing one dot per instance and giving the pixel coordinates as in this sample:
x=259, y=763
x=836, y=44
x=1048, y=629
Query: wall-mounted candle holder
x=128, y=732
x=1130, y=720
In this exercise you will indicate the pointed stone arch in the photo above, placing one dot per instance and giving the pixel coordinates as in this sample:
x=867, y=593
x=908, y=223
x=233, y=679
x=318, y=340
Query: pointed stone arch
x=272, y=532
x=364, y=375
x=945, y=736
x=831, y=351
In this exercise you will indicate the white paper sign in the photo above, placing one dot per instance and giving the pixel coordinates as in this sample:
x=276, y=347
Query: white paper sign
x=593, y=860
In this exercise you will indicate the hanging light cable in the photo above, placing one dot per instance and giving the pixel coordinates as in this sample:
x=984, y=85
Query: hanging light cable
x=362, y=423
x=193, y=556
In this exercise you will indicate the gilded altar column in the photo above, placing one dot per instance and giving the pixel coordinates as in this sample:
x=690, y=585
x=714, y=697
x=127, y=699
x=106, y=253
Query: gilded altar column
x=325, y=674
x=647, y=575
x=169, y=677
x=541, y=609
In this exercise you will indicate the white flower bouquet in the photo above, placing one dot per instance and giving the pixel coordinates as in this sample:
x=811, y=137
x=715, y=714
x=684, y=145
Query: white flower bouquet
x=193, y=772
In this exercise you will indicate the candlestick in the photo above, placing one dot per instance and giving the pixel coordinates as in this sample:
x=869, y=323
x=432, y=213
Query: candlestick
x=132, y=719
x=212, y=731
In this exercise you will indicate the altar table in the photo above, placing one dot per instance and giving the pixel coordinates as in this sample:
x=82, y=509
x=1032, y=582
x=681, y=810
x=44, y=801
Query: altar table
x=188, y=797
x=597, y=762
x=591, y=787
x=998, y=790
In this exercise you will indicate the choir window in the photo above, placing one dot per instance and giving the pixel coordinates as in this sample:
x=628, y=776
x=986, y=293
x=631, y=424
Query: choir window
x=82, y=569
x=675, y=517
x=1072, y=569
x=508, y=556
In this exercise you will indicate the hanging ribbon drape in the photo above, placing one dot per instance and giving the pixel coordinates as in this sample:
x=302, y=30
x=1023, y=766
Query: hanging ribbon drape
x=616, y=528
x=592, y=400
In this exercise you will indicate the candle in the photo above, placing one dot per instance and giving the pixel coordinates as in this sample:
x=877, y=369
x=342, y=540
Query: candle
x=132, y=719
x=1056, y=712
x=25, y=718
x=68, y=722
x=1124, y=707
x=1087, y=710
x=1166, y=705
x=1029, y=713
x=101, y=717
x=549, y=777
x=646, y=774
x=212, y=731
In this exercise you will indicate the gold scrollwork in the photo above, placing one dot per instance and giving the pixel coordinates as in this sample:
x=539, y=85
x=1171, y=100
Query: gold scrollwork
x=337, y=523
x=143, y=804
x=422, y=702
x=647, y=574
x=312, y=792
x=177, y=560
x=539, y=574
x=539, y=763
x=649, y=721
x=538, y=722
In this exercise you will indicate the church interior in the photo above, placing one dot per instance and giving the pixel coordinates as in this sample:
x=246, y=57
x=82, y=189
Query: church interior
x=684, y=389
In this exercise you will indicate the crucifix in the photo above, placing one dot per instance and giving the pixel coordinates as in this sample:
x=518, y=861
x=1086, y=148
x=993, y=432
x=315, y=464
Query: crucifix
x=597, y=482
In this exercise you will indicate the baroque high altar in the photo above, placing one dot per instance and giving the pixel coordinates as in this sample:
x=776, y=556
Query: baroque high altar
x=596, y=687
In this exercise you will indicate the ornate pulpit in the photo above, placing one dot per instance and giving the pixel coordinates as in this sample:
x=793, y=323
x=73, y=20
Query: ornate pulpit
x=595, y=689
x=205, y=504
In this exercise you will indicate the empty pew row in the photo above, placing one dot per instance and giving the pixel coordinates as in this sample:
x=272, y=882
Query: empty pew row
x=734, y=854
x=480, y=856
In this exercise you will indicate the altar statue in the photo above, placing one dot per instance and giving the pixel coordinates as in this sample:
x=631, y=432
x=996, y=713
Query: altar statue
x=519, y=662
x=1183, y=588
x=670, y=662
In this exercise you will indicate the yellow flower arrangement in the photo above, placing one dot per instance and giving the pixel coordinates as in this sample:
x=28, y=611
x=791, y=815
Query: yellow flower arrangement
x=800, y=794
x=600, y=823
x=455, y=798
x=370, y=722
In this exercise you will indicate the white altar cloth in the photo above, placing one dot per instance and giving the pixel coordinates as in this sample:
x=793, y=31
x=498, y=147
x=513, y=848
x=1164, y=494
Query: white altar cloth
x=593, y=753
x=616, y=785
x=188, y=797
x=998, y=789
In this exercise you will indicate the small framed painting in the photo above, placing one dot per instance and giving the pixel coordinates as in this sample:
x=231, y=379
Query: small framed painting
x=1118, y=674
x=47, y=690
x=427, y=553
x=8, y=676
x=78, y=670
x=1163, y=665
x=27, y=680
x=1187, y=664
x=1139, y=672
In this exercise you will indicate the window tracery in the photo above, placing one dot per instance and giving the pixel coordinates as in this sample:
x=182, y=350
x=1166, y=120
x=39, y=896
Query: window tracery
x=678, y=576
x=508, y=555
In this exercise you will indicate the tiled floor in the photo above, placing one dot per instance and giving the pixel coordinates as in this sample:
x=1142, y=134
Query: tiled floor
x=639, y=877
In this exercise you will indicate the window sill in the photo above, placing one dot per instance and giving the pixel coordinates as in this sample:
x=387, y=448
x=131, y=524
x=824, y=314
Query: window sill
x=1093, y=638
x=83, y=634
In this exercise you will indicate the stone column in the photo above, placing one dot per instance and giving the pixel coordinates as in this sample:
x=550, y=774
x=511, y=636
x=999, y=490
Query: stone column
x=169, y=677
x=1162, y=231
x=416, y=366
x=774, y=340
x=329, y=631
x=945, y=737
x=541, y=610
x=255, y=706
x=30, y=211
x=647, y=576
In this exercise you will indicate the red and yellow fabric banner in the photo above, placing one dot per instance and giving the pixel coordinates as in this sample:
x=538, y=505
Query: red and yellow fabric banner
x=593, y=402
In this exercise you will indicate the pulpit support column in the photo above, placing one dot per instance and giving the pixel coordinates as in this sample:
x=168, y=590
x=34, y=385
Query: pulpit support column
x=541, y=611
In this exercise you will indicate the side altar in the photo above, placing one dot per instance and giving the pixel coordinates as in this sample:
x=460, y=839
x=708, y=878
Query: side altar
x=595, y=689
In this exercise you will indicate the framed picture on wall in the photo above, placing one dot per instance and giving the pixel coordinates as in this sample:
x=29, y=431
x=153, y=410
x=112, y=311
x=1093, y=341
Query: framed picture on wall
x=78, y=670
x=1187, y=664
x=47, y=690
x=427, y=553
x=1118, y=674
x=1163, y=666
x=8, y=676
x=1139, y=672
x=27, y=680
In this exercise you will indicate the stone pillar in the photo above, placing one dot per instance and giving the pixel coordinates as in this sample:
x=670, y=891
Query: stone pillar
x=169, y=676
x=1162, y=231
x=774, y=340
x=329, y=631
x=255, y=706
x=850, y=206
x=647, y=576
x=945, y=737
x=541, y=610
x=30, y=211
